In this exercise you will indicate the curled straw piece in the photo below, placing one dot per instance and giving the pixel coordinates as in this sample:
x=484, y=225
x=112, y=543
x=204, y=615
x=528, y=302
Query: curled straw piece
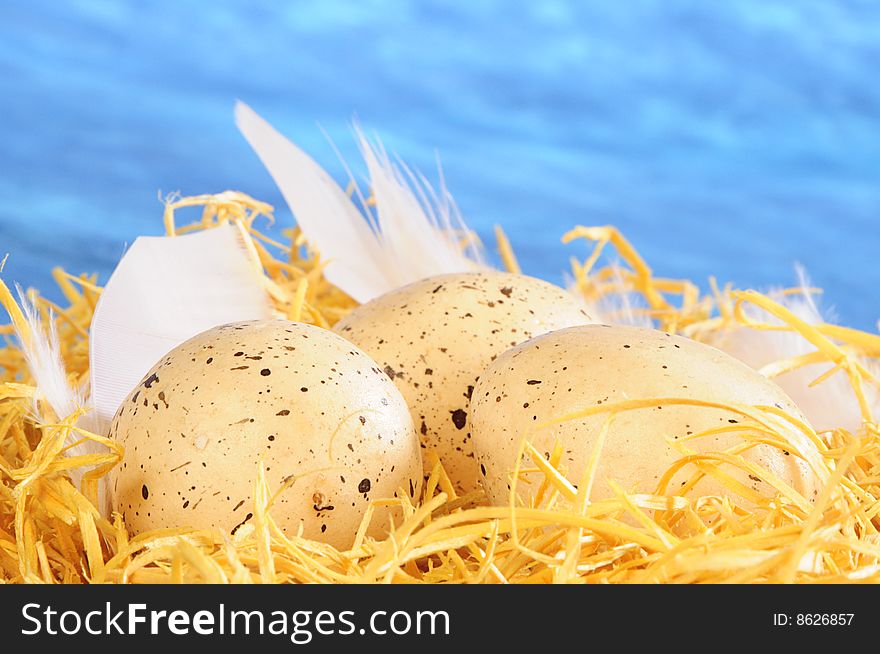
x=50, y=531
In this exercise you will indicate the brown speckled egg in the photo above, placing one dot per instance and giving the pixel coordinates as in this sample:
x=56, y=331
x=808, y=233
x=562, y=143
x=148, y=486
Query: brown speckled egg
x=572, y=369
x=312, y=407
x=435, y=337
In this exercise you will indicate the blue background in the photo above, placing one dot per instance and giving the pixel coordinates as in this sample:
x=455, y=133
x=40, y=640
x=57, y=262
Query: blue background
x=728, y=138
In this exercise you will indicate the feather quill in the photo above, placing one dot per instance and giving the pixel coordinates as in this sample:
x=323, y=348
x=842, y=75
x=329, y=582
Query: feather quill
x=412, y=231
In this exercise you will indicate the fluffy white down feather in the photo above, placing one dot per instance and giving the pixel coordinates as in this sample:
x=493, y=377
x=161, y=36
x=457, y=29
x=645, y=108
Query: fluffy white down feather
x=42, y=354
x=828, y=405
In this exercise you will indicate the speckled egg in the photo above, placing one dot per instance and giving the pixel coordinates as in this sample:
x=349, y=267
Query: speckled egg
x=435, y=337
x=572, y=369
x=324, y=419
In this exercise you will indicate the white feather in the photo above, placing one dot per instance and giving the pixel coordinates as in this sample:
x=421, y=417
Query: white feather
x=42, y=354
x=417, y=229
x=828, y=405
x=411, y=234
x=164, y=291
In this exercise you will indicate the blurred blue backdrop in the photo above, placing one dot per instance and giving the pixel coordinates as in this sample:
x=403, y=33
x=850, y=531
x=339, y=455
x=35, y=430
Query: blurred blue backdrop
x=728, y=138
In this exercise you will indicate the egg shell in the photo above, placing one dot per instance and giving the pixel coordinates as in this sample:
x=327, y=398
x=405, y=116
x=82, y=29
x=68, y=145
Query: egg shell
x=311, y=406
x=435, y=337
x=572, y=369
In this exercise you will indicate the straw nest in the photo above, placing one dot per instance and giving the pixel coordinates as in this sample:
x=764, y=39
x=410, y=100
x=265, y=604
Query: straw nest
x=51, y=532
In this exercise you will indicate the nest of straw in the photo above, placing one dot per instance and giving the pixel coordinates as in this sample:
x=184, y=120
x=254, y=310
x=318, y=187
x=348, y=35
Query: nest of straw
x=51, y=531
